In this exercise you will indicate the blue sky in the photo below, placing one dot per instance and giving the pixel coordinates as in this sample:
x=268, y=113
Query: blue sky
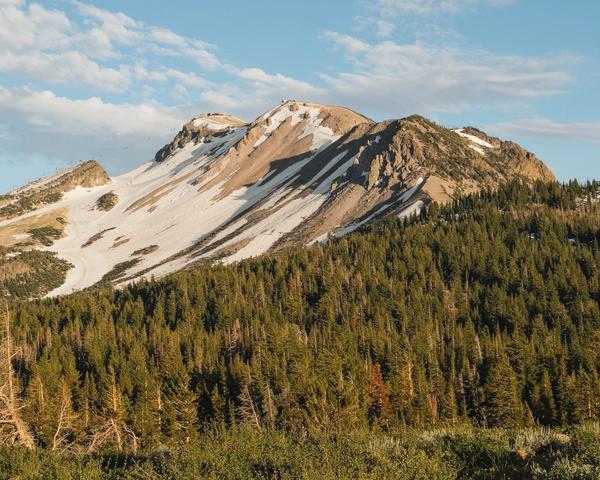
x=114, y=80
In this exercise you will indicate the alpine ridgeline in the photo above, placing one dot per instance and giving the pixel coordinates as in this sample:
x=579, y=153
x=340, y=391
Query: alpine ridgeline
x=226, y=190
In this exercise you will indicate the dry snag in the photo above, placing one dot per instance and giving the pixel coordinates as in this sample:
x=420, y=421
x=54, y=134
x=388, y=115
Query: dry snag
x=13, y=429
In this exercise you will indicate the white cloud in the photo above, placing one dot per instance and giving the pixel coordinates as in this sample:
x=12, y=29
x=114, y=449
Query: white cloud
x=407, y=78
x=352, y=45
x=117, y=26
x=257, y=91
x=23, y=28
x=587, y=132
x=43, y=44
x=49, y=46
x=187, y=79
x=162, y=35
x=121, y=136
x=204, y=58
x=66, y=68
x=144, y=38
x=91, y=116
x=392, y=8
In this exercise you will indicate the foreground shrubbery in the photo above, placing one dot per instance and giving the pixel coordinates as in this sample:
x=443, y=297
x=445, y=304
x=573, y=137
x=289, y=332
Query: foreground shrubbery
x=241, y=453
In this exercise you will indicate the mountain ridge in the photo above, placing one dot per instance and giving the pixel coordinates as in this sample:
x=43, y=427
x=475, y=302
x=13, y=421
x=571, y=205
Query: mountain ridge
x=225, y=189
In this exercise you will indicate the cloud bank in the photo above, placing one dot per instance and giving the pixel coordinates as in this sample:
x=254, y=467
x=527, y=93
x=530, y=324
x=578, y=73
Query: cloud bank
x=85, y=82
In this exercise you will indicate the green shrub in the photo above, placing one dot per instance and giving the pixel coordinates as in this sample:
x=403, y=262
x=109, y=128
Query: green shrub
x=45, y=235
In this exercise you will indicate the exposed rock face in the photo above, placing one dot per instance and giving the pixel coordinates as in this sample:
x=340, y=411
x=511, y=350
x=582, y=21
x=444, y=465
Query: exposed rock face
x=227, y=190
x=518, y=159
x=201, y=128
x=87, y=174
x=50, y=190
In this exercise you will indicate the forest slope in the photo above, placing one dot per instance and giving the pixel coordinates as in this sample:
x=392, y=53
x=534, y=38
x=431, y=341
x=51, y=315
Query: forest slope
x=485, y=312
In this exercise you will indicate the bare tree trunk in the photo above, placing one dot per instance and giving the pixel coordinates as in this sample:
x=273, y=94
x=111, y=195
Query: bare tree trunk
x=114, y=428
x=247, y=410
x=57, y=439
x=117, y=435
x=134, y=438
x=9, y=410
x=64, y=423
x=269, y=406
x=159, y=407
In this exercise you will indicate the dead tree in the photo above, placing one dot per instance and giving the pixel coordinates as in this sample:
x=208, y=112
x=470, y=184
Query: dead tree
x=64, y=422
x=114, y=429
x=247, y=410
x=269, y=405
x=13, y=429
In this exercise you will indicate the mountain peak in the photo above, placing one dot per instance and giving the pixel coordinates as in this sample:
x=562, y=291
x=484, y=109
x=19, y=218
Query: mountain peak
x=225, y=190
x=201, y=127
x=216, y=121
x=339, y=119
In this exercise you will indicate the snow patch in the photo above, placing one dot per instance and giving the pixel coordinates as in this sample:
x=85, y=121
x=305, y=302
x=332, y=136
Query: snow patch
x=320, y=239
x=479, y=150
x=474, y=139
x=415, y=208
x=321, y=136
x=411, y=191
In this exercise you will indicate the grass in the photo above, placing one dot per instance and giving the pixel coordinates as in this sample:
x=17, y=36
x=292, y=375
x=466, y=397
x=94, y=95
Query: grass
x=53, y=219
x=242, y=453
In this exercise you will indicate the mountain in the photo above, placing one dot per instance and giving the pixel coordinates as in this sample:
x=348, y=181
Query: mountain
x=226, y=190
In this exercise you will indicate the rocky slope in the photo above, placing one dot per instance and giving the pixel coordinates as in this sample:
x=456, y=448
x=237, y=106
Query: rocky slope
x=50, y=190
x=226, y=190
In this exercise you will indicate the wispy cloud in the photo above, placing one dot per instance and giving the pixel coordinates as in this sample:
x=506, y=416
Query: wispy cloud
x=351, y=45
x=258, y=91
x=92, y=46
x=88, y=82
x=41, y=122
x=587, y=132
x=98, y=54
x=383, y=28
x=423, y=78
x=393, y=8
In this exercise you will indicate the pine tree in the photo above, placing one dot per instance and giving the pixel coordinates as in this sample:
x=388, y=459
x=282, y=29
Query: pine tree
x=379, y=404
x=503, y=407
